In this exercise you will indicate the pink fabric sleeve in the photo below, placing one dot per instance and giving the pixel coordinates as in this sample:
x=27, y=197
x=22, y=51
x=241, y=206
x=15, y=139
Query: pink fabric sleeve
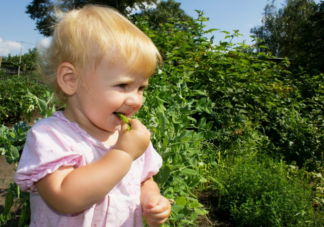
x=47, y=148
x=152, y=163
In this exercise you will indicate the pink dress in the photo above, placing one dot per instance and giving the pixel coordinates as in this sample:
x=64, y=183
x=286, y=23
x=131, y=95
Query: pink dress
x=54, y=142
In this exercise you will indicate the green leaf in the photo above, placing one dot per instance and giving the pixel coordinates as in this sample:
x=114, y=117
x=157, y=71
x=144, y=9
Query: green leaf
x=12, y=134
x=189, y=172
x=181, y=201
x=202, y=123
x=22, y=217
x=8, y=216
x=209, y=125
x=8, y=202
x=177, y=159
x=179, y=217
x=193, y=216
x=185, y=136
x=14, y=152
x=2, y=217
x=162, y=122
x=203, y=180
x=42, y=106
x=3, y=129
x=163, y=175
x=199, y=92
x=195, y=205
x=226, y=32
x=177, y=208
x=192, y=119
x=211, y=30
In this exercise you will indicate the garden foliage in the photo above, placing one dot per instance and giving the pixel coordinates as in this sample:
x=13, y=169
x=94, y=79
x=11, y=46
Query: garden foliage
x=14, y=100
x=295, y=30
x=28, y=59
x=230, y=121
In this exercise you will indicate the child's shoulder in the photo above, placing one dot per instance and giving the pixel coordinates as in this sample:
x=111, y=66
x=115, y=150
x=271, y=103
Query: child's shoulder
x=52, y=127
x=46, y=121
x=49, y=122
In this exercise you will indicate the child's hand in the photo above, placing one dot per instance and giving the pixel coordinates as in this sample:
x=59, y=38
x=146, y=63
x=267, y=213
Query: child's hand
x=156, y=210
x=134, y=142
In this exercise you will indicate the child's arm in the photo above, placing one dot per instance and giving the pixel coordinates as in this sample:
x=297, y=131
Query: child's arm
x=70, y=190
x=156, y=208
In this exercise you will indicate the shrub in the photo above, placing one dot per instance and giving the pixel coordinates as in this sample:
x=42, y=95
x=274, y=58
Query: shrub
x=259, y=191
x=239, y=88
x=13, y=101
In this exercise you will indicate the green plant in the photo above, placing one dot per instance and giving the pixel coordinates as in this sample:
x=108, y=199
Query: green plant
x=13, y=101
x=12, y=141
x=259, y=191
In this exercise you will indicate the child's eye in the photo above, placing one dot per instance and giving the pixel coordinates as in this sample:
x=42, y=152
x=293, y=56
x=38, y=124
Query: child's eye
x=122, y=85
x=141, y=88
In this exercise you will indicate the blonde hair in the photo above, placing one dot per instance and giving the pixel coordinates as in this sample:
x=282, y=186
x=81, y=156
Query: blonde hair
x=84, y=36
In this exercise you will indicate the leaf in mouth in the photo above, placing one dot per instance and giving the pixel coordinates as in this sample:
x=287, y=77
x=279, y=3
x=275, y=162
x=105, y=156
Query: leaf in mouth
x=124, y=119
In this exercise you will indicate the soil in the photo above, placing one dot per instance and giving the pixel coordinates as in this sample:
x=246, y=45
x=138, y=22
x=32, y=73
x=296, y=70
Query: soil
x=7, y=173
x=215, y=217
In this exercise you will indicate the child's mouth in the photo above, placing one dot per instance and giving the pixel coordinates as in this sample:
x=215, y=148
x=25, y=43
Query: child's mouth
x=123, y=118
x=119, y=114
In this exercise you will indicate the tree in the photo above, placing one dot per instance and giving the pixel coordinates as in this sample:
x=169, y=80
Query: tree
x=311, y=46
x=280, y=30
x=28, y=59
x=162, y=13
x=42, y=10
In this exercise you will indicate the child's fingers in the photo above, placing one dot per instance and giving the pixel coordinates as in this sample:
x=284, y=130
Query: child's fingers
x=151, y=201
x=157, y=215
x=152, y=221
x=156, y=210
x=159, y=210
x=158, y=204
x=124, y=127
x=136, y=124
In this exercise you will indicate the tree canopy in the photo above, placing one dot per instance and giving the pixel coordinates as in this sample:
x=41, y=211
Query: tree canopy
x=162, y=13
x=280, y=30
x=311, y=46
x=42, y=10
x=296, y=31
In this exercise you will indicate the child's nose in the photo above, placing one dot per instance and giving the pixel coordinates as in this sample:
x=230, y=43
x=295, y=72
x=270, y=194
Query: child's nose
x=134, y=100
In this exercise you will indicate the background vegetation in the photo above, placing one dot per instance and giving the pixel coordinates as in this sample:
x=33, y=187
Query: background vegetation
x=233, y=128
x=294, y=31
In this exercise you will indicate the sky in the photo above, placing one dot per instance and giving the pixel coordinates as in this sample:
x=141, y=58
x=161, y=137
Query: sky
x=18, y=34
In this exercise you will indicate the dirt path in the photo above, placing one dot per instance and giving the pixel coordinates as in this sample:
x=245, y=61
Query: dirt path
x=7, y=173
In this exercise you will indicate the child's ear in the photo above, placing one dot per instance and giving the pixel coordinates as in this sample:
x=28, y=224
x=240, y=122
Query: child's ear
x=67, y=78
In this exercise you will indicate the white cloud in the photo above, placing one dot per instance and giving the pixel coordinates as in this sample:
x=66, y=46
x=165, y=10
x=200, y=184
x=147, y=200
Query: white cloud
x=8, y=46
x=45, y=42
x=151, y=6
x=43, y=45
x=136, y=9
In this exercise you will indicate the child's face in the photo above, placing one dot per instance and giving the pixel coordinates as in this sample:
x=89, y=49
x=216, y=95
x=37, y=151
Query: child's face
x=111, y=89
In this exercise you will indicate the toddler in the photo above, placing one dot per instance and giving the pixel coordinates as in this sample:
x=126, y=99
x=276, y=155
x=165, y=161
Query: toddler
x=82, y=166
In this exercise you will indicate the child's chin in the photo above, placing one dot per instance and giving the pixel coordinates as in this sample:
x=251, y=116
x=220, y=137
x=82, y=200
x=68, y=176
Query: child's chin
x=116, y=127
